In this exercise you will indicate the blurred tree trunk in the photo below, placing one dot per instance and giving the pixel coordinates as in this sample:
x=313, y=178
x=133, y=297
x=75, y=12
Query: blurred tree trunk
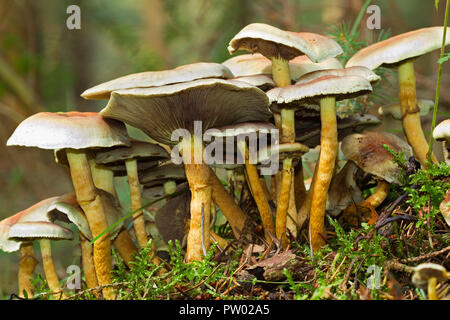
x=155, y=18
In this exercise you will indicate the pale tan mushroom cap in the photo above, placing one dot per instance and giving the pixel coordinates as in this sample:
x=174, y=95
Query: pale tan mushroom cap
x=75, y=130
x=256, y=64
x=367, y=151
x=273, y=42
x=37, y=212
x=399, y=48
x=363, y=72
x=423, y=272
x=395, y=110
x=163, y=111
x=189, y=72
x=239, y=129
x=260, y=81
x=442, y=131
x=37, y=230
x=308, y=94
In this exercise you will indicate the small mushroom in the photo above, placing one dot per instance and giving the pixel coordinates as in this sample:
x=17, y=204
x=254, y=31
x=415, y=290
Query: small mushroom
x=367, y=152
x=442, y=133
x=326, y=90
x=167, y=175
x=395, y=110
x=427, y=275
x=162, y=111
x=400, y=51
x=138, y=152
x=44, y=232
x=77, y=132
x=444, y=207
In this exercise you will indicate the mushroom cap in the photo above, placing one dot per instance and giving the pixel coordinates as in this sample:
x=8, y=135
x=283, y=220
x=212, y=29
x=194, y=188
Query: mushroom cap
x=75, y=130
x=260, y=81
x=367, y=151
x=150, y=194
x=160, y=111
x=395, y=110
x=240, y=129
x=256, y=64
x=37, y=212
x=399, y=48
x=189, y=72
x=273, y=42
x=284, y=150
x=37, y=230
x=307, y=95
x=162, y=174
x=424, y=271
x=307, y=130
x=442, y=131
x=112, y=211
x=363, y=72
x=139, y=150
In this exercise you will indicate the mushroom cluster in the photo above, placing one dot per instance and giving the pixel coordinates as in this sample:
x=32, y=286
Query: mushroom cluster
x=255, y=114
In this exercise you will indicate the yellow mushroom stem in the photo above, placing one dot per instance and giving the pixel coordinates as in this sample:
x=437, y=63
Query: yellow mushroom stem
x=136, y=202
x=410, y=112
x=280, y=71
x=221, y=242
x=432, y=283
x=49, y=269
x=90, y=201
x=323, y=171
x=198, y=176
x=305, y=208
x=283, y=202
x=103, y=178
x=299, y=185
x=374, y=200
x=258, y=193
x=27, y=264
x=87, y=261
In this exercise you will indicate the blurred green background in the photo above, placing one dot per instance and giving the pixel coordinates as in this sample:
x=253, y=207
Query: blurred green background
x=45, y=66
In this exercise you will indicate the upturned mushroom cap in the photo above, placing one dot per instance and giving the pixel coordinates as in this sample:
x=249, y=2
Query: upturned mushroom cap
x=260, y=81
x=423, y=272
x=442, y=131
x=189, y=72
x=256, y=64
x=399, y=48
x=75, y=130
x=363, y=72
x=37, y=230
x=160, y=111
x=139, y=150
x=273, y=42
x=395, y=110
x=307, y=95
x=367, y=151
x=307, y=130
x=37, y=212
x=159, y=175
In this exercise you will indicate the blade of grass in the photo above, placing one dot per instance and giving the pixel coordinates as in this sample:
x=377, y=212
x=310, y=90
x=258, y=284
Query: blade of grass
x=359, y=17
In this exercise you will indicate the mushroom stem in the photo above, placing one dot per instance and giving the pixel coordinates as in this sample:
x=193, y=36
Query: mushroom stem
x=432, y=295
x=410, y=112
x=291, y=222
x=280, y=71
x=299, y=186
x=136, y=201
x=258, y=193
x=87, y=261
x=323, y=172
x=374, y=200
x=287, y=125
x=90, y=201
x=27, y=264
x=305, y=209
x=198, y=236
x=49, y=268
x=283, y=202
x=104, y=179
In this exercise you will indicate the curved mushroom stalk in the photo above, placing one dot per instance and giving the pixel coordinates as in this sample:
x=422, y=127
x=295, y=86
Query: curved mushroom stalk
x=87, y=260
x=283, y=202
x=27, y=264
x=49, y=269
x=373, y=201
x=90, y=201
x=410, y=112
x=323, y=172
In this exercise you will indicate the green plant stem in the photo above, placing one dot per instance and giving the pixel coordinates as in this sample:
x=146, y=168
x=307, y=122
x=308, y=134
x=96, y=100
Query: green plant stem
x=438, y=86
x=359, y=17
